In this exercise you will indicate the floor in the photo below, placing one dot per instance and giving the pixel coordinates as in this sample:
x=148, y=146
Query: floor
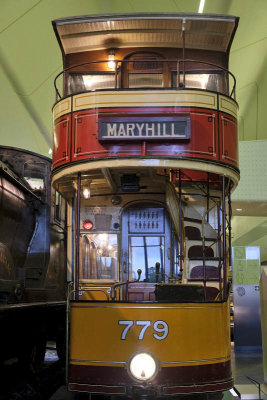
x=247, y=372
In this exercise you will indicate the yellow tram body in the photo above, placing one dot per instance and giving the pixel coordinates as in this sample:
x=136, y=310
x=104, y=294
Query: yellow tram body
x=197, y=333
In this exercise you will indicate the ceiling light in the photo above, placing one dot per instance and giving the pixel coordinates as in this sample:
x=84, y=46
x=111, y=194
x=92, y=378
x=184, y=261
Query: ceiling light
x=201, y=6
x=111, y=60
x=86, y=192
x=239, y=209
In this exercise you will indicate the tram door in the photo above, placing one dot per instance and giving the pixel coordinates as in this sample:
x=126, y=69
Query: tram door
x=146, y=245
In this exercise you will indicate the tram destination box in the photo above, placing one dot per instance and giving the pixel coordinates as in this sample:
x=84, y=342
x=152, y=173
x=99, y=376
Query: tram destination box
x=144, y=128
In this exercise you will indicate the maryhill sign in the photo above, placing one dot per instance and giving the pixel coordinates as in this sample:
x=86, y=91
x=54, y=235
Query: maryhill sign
x=143, y=128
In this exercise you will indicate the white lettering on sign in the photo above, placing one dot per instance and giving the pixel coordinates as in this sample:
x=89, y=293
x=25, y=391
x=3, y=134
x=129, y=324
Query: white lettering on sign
x=144, y=130
x=112, y=129
x=160, y=327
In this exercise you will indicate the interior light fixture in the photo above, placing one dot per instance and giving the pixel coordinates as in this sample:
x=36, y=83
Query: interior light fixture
x=201, y=6
x=86, y=192
x=111, y=59
x=239, y=209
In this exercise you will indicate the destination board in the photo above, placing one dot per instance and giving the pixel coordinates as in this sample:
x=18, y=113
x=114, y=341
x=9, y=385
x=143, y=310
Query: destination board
x=144, y=128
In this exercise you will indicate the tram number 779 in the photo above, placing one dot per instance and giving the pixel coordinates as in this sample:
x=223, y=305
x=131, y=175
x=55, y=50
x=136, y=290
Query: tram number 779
x=161, y=328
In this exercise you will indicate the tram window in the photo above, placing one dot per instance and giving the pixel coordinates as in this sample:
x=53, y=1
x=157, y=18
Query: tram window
x=145, y=80
x=208, y=81
x=34, y=174
x=99, y=256
x=84, y=82
x=144, y=253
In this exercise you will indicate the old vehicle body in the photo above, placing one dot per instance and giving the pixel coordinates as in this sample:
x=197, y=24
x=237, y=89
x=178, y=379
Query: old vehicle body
x=145, y=154
x=32, y=257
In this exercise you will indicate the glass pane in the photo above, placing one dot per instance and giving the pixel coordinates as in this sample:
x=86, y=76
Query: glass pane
x=84, y=82
x=35, y=175
x=145, y=80
x=200, y=81
x=146, y=253
x=99, y=256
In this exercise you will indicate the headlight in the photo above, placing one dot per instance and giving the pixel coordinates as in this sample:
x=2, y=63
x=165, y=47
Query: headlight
x=143, y=367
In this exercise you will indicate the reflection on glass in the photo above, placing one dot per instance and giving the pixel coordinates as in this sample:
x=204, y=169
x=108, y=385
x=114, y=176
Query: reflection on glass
x=83, y=82
x=207, y=81
x=147, y=253
x=99, y=256
x=145, y=80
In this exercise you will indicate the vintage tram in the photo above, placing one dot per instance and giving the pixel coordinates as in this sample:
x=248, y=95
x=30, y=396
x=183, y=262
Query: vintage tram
x=32, y=259
x=145, y=154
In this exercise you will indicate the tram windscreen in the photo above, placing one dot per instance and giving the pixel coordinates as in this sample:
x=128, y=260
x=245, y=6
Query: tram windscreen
x=144, y=253
x=99, y=256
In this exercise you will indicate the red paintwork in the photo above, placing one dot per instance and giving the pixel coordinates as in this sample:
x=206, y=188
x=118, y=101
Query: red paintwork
x=209, y=140
x=62, y=140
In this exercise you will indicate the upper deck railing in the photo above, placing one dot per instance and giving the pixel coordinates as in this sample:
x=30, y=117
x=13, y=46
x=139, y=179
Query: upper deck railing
x=192, y=74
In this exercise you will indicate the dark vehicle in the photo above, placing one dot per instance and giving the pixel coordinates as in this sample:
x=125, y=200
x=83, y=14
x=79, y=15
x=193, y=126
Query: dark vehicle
x=32, y=258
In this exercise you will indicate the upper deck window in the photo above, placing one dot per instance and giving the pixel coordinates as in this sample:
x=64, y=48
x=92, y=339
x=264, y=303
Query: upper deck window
x=85, y=82
x=145, y=80
x=201, y=80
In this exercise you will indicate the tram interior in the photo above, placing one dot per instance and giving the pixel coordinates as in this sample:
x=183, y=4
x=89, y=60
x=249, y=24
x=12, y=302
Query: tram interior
x=146, y=230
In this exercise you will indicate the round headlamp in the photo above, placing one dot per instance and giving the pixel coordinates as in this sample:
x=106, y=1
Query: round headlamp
x=143, y=367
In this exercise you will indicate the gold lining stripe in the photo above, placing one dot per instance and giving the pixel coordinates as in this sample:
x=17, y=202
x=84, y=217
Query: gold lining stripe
x=136, y=99
x=228, y=106
x=212, y=306
x=162, y=363
x=62, y=108
x=142, y=99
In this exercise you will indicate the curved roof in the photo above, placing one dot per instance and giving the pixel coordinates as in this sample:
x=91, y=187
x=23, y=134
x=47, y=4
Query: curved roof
x=97, y=32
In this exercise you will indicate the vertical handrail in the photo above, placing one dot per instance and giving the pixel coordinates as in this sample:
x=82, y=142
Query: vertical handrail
x=219, y=247
x=178, y=74
x=181, y=256
x=77, y=258
x=230, y=227
x=208, y=195
x=183, y=33
x=224, y=239
x=116, y=74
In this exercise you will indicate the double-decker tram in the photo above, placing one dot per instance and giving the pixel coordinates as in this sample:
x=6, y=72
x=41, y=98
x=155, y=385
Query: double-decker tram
x=145, y=154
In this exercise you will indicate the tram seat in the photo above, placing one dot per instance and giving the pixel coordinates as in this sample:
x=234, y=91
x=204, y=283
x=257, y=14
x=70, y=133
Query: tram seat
x=212, y=273
x=192, y=233
x=197, y=252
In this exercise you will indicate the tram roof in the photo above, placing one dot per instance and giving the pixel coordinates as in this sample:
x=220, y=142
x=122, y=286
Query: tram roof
x=98, y=32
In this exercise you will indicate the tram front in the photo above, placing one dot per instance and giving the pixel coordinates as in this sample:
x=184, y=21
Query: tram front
x=145, y=153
